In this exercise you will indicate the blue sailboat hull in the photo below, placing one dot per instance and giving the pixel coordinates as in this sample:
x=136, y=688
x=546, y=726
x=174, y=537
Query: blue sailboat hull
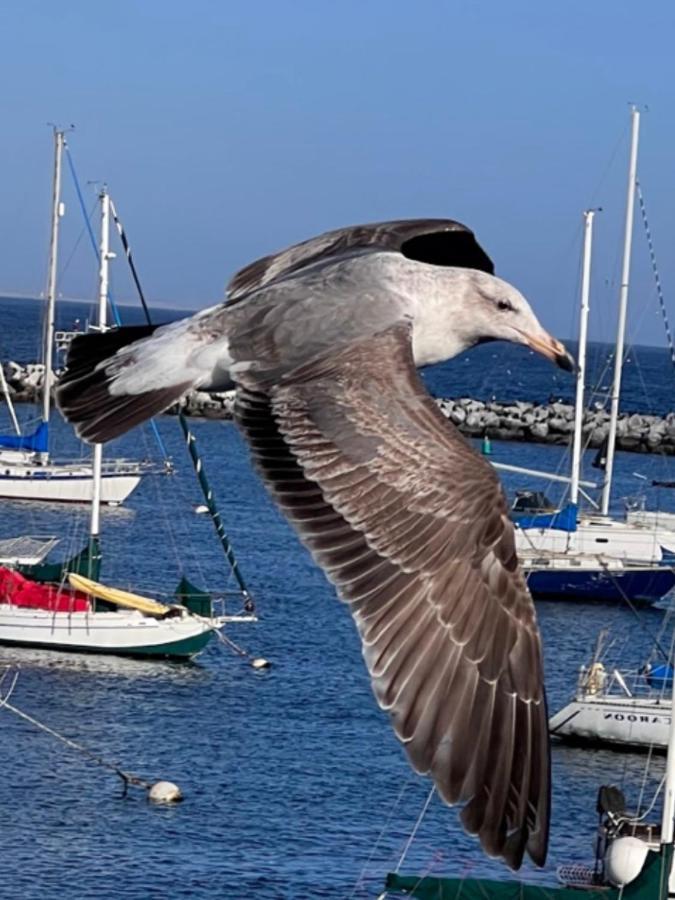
x=639, y=585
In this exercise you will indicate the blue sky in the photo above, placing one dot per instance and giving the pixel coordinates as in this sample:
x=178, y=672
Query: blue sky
x=229, y=129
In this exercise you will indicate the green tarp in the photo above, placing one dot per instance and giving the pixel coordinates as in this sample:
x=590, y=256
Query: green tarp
x=87, y=562
x=193, y=598
x=652, y=884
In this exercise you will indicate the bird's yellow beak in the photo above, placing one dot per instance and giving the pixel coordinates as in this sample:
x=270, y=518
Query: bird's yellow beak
x=550, y=348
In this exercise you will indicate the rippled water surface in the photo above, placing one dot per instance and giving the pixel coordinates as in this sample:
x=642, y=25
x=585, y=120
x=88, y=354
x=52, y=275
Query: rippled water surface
x=294, y=784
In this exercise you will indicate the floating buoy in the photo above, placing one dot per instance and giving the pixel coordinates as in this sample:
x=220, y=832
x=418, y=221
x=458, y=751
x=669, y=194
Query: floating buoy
x=200, y=509
x=259, y=662
x=165, y=792
x=486, y=446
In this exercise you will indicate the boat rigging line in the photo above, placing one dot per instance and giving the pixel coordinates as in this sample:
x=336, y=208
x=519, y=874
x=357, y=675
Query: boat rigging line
x=655, y=270
x=360, y=881
x=659, y=295
x=113, y=305
x=631, y=606
x=190, y=440
x=249, y=603
x=411, y=837
x=102, y=254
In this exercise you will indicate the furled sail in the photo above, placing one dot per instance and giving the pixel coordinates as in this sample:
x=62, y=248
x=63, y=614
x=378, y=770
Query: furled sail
x=118, y=597
x=37, y=442
x=564, y=519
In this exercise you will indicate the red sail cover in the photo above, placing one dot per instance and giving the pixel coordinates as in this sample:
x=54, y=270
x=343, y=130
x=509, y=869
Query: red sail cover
x=19, y=591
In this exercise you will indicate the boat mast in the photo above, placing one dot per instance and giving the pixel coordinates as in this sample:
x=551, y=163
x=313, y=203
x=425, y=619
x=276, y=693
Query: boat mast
x=8, y=400
x=669, y=785
x=57, y=212
x=623, y=305
x=581, y=356
x=102, y=322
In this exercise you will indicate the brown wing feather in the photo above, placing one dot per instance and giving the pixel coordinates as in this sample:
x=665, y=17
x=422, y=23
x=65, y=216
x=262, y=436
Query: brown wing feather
x=411, y=526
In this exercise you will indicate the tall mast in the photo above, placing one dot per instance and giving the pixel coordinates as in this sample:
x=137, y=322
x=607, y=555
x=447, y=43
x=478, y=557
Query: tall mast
x=623, y=305
x=8, y=400
x=581, y=357
x=669, y=786
x=57, y=212
x=102, y=321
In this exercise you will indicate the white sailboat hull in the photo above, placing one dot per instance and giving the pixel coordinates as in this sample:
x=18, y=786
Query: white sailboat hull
x=66, y=483
x=643, y=518
x=597, y=537
x=126, y=632
x=619, y=721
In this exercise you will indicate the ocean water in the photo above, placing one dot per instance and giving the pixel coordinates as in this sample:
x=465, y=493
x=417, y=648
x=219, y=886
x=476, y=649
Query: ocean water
x=294, y=784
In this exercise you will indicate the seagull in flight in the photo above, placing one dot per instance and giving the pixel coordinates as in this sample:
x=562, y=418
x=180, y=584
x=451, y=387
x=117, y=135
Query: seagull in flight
x=323, y=341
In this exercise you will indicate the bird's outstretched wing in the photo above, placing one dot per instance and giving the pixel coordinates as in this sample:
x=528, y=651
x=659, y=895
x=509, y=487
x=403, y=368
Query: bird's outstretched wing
x=442, y=242
x=410, y=524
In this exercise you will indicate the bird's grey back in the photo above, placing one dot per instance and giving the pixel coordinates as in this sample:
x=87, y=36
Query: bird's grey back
x=314, y=311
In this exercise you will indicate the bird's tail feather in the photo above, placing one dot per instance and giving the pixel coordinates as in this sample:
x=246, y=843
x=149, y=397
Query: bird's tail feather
x=119, y=378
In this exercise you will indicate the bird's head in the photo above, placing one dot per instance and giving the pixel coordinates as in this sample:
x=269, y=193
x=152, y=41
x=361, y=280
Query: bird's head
x=499, y=312
x=458, y=308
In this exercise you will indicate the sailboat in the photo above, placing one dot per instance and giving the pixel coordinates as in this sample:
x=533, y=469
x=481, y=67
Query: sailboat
x=77, y=612
x=568, y=555
x=27, y=470
x=634, y=860
x=613, y=708
x=619, y=707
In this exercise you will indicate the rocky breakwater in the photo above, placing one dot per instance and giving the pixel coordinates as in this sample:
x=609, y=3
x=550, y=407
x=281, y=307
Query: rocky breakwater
x=549, y=423
x=24, y=382
x=208, y=406
x=553, y=423
x=24, y=385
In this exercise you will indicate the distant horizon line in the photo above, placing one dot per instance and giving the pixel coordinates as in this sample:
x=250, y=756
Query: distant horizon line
x=160, y=304
x=165, y=304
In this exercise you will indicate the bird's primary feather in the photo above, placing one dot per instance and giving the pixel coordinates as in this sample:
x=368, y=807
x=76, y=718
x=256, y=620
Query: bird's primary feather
x=411, y=526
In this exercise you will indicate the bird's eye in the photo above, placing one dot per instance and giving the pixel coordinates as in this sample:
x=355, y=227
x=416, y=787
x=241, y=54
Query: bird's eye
x=505, y=305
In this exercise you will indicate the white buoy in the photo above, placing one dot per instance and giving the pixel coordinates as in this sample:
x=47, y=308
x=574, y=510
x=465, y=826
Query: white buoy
x=200, y=509
x=165, y=792
x=624, y=860
x=260, y=663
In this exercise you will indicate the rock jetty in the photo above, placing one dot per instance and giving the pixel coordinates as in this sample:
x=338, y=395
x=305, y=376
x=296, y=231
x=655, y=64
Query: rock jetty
x=24, y=382
x=548, y=423
x=553, y=423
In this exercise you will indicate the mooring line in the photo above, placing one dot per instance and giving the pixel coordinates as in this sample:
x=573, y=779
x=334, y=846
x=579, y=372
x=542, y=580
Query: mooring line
x=128, y=778
x=257, y=662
